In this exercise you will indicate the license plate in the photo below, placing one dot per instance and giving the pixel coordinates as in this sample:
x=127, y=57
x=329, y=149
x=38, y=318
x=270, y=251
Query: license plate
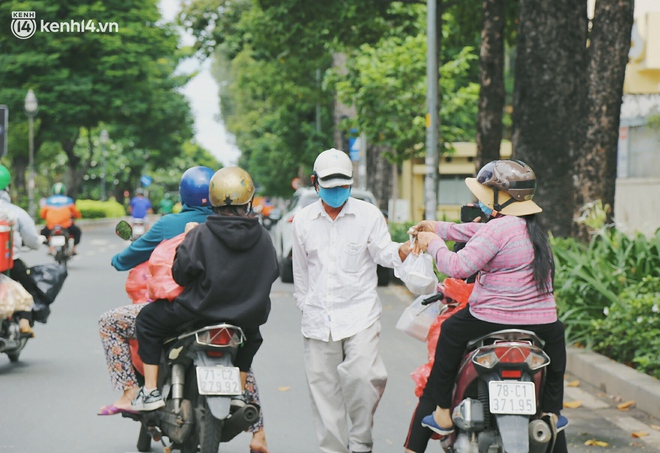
x=57, y=241
x=218, y=380
x=512, y=397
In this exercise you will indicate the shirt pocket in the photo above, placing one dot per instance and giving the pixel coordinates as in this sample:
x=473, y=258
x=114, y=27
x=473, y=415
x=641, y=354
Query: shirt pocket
x=352, y=257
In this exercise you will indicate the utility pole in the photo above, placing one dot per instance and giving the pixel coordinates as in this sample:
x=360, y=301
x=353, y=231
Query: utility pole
x=432, y=121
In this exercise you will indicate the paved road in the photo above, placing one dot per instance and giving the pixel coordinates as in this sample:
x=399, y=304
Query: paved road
x=50, y=398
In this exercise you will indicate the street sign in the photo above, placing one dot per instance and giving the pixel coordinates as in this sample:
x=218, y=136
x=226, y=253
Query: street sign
x=146, y=180
x=354, y=148
x=4, y=117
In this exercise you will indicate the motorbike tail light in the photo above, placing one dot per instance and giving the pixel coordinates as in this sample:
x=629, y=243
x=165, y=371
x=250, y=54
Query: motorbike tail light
x=512, y=354
x=219, y=337
x=511, y=374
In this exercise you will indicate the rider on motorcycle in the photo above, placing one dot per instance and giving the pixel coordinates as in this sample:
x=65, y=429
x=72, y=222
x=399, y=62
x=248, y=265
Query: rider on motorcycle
x=227, y=266
x=140, y=207
x=25, y=233
x=117, y=326
x=60, y=210
x=513, y=290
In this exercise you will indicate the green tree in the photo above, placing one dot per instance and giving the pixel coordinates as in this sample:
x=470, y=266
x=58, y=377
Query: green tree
x=81, y=79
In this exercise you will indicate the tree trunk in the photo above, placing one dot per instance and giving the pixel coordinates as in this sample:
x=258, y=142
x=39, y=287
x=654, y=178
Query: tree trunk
x=548, y=99
x=608, y=55
x=379, y=174
x=491, y=78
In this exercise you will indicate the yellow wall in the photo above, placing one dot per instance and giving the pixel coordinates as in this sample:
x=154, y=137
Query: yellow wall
x=459, y=162
x=643, y=69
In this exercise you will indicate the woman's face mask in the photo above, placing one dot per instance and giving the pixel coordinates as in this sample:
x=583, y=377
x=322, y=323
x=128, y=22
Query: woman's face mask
x=335, y=196
x=485, y=209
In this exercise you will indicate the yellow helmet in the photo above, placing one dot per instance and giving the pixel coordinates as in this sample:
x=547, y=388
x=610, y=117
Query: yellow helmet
x=231, y=186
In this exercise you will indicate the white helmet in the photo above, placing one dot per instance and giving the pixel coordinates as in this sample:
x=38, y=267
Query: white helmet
x=333, y=168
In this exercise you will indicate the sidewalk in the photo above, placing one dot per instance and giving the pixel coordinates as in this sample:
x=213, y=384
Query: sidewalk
x=601, y=372
x=615, y=379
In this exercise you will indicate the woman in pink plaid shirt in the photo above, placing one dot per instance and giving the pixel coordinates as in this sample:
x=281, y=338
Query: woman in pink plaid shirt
x=512, y=258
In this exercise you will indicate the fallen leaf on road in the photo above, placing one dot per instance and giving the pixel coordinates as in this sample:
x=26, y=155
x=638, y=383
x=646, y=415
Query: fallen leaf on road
x=572, y=404
x=596, y=443
x=639, y=434
x=575, y=383
x=656, y=427
x=625, y=406
x=283, y=389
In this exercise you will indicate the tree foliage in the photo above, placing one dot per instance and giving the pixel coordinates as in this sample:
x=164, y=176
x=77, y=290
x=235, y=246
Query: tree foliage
x=82, y=79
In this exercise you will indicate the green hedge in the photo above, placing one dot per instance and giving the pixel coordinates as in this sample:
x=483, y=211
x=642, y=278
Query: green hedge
x=95, y=209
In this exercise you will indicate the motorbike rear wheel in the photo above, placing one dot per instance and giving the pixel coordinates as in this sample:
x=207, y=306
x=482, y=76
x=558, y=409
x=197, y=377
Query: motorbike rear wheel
x=208, y=430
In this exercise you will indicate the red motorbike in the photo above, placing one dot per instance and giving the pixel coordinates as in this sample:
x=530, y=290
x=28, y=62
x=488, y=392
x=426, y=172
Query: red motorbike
x=496, y=396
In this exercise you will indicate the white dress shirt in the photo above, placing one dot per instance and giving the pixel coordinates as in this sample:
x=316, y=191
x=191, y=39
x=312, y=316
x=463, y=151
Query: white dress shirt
x=334, y=268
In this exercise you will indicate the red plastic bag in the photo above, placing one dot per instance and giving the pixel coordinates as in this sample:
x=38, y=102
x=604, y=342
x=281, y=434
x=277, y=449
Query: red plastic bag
x=161, y=285
x=455, y=290
x=136, y=283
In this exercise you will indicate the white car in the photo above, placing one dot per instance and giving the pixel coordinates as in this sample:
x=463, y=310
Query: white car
x=282, y=234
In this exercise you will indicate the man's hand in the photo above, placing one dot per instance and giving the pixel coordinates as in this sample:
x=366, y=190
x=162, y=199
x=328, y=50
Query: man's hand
x=43, y=239
x=404, y=250
x=190, y=226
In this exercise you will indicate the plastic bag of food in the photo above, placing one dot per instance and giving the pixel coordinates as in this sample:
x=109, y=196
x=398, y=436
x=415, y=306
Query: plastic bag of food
x=161, y=285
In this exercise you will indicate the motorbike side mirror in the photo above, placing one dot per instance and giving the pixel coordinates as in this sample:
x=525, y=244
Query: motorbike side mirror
x=124, y=230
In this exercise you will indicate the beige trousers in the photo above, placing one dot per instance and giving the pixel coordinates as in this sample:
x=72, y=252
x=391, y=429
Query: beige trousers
x=346, y=380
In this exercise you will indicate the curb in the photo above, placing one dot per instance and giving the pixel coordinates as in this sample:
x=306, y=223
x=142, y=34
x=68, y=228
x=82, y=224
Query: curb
x=614, y=378
x=602, y=372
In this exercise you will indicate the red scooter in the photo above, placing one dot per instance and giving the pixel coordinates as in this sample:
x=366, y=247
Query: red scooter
x=496, y=396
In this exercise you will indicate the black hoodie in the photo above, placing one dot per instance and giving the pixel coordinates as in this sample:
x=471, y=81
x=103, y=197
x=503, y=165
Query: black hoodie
x=227, y=266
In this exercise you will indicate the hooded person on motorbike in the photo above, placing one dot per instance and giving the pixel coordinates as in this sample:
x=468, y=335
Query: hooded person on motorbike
x=117, y=326
x=227, y=266
x=513, y=289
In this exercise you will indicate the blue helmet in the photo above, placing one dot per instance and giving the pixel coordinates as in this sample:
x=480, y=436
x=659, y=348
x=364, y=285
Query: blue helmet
x=194, y=187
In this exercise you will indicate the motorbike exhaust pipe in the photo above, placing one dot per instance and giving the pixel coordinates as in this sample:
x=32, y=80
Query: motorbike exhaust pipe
x=540, y=436
x=239, y=421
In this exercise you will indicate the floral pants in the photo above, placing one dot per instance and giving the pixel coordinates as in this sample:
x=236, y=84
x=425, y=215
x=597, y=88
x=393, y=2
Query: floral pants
x=117, y=328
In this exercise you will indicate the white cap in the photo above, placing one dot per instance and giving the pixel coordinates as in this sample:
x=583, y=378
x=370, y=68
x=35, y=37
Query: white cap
x=333, y=168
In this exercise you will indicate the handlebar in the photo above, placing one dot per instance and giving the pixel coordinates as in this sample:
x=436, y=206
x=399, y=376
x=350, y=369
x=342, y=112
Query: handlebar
x=434, y=298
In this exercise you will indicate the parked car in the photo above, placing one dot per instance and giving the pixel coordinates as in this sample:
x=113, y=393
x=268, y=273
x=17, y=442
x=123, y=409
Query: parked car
x=282, y=232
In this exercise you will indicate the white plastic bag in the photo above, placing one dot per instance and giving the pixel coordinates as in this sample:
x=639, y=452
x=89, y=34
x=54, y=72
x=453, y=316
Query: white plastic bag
x=13, y=297
x=417, y=274
x=416, y=319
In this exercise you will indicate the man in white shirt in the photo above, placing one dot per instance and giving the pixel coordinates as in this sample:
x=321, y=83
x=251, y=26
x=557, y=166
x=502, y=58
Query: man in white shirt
x=337, y=244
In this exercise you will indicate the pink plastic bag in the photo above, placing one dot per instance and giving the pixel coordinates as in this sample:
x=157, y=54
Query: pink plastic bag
x=161, y=285
x=136, y=283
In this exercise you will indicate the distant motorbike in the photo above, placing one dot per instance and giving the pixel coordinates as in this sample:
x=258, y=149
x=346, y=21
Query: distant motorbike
x=197, y=379
x=139, y=228
x=495, y=400
x=62, y=242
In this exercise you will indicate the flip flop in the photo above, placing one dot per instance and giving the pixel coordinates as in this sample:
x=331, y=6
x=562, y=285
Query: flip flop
x=111, y=409
x=430, y=423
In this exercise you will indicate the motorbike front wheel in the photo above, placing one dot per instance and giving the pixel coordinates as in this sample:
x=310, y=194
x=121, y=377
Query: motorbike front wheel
x=208, y=430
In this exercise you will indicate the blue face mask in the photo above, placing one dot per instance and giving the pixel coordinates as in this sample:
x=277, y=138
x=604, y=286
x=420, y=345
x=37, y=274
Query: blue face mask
x=336, y=196
x=485, y=209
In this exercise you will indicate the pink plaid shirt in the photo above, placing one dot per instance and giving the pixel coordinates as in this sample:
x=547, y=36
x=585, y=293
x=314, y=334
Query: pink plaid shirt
x=502, y=253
